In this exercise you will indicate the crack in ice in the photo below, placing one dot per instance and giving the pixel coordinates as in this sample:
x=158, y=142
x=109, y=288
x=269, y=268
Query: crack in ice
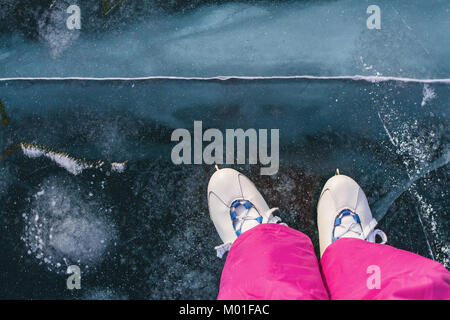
x=373, y=79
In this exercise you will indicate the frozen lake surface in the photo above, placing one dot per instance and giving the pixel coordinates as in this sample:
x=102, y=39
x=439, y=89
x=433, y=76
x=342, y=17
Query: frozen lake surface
x=209, y=38
x=86, y=176
x=145, y=232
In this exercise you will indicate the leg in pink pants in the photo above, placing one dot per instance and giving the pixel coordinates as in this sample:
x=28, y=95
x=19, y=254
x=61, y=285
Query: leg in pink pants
x=273, y=261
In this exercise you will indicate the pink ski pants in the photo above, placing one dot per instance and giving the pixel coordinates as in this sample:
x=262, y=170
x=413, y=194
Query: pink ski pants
x=273, y=261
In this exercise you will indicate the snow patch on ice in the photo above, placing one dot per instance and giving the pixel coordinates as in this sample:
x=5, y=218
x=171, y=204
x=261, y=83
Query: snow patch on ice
x=4, y=179
x=62, y=227
x=74, y=166
x=428, y=95
x=104, y=294
x=53, y=31
x=118, y=166
x=418, y=145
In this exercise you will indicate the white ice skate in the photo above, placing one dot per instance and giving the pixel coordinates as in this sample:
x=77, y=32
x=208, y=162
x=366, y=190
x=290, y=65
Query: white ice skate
x=343, y=212
x=235, y=206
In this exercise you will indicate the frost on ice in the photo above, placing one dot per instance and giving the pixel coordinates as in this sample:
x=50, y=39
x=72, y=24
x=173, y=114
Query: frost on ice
x=53, y=31
x=73, y=165
x=63, y=227
x=428, y=95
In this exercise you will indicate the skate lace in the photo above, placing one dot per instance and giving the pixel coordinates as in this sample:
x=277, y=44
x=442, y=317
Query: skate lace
x=342, y=228
x=239, y=219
